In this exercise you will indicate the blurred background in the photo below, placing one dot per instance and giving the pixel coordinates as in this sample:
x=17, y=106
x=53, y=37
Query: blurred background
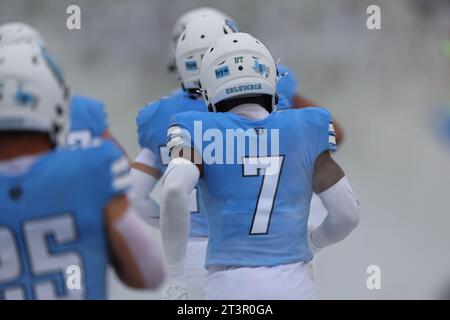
x=389, y=89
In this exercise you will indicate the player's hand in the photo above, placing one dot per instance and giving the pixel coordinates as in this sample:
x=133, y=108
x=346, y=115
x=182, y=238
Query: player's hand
x=176, y=289
x=176, y=286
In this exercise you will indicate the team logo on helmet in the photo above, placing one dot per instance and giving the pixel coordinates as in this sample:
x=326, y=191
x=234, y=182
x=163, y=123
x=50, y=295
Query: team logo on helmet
x=262, y=69
x=25, y=98
x=222, y=72
x=191, y=65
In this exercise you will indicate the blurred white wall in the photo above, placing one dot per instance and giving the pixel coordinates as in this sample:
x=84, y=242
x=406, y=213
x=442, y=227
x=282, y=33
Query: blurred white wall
x=380, y=85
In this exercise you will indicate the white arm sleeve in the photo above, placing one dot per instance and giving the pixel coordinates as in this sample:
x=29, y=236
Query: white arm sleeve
x=179, y=181
x=141, y=246
x=142, y=185
x=342, y=218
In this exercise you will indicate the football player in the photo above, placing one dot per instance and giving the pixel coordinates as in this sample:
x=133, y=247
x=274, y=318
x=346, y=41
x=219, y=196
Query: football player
x=153, y=158
x=257, y=205
x=179, y=27
x=64, y=215
x=88, y=119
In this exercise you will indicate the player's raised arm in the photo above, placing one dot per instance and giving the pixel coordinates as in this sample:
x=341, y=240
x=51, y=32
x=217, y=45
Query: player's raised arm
x=135, y=256
x=334, y=189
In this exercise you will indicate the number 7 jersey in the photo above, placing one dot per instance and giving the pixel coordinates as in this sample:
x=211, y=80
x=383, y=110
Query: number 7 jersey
x=257, y=181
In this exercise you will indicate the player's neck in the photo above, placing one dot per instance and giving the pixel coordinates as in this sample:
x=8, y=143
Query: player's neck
x=18, y=145
x=251, y=111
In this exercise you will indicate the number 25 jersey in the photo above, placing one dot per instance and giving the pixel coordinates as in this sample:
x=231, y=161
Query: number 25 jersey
x=52, y=238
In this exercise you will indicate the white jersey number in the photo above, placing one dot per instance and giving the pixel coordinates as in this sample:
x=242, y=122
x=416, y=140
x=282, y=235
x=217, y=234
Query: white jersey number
x=193, y=198
x=270, y=169
x=41, y=236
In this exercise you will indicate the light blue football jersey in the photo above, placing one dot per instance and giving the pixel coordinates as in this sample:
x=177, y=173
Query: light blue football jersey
x=152, y=122
x=52, y=223
x=257, y=198
x=88, y=121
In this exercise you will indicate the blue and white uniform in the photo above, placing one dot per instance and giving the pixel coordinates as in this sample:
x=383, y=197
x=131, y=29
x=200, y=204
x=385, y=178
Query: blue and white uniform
x=152, y=123
x=263, y=222
x=52, y=223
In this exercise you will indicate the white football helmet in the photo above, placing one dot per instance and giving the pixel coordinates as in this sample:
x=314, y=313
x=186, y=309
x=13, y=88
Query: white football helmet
x=237, y=65
x=31, y=96
x=19, y=32
x=198, y=35
x=189, y=16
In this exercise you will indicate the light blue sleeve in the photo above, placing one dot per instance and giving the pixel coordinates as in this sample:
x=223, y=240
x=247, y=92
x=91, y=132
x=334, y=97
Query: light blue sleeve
x=318, y=131
x=180, y=132
x=88, y=114
x=113, y=167
x=287, y=84
x=322, y=126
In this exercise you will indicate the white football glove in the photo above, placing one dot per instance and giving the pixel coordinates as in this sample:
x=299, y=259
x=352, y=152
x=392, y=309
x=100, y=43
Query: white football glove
x=176, y=286
x=176, y=291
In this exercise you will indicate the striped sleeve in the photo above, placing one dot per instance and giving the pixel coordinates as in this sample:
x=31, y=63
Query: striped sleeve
x=178, y=137
x=120, y=173
x=331, y=137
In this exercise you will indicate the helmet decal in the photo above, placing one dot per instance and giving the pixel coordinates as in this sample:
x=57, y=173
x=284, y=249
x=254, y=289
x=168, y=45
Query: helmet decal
x=25, y=98
x=191, y=65
x=262, y=69
x=232, y=25
x=222, y=72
